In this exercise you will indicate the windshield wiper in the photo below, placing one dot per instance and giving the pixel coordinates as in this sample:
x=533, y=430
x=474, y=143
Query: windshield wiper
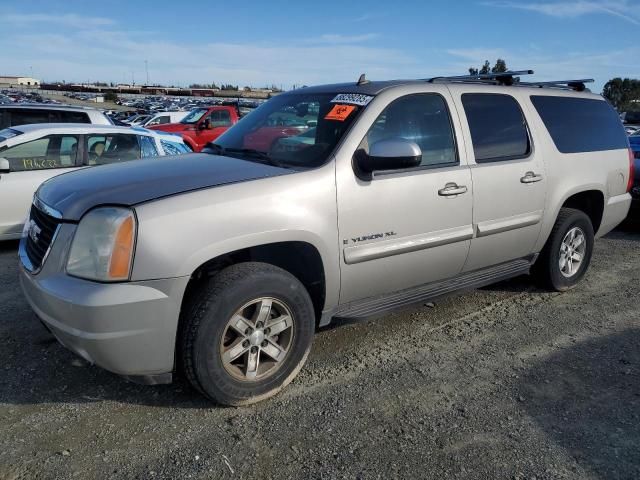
x=252, y=153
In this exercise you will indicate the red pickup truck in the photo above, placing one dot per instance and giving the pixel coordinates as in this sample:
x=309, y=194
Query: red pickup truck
x=202, y=125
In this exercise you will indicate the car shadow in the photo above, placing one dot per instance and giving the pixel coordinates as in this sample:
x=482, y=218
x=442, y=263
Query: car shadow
x=586, y=398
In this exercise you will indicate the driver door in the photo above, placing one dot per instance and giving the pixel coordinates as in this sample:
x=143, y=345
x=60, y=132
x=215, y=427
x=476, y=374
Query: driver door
x=402, y=228
x=212, y=126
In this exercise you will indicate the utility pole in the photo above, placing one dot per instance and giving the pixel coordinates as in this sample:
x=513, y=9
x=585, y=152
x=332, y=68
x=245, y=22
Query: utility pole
x=146, y=67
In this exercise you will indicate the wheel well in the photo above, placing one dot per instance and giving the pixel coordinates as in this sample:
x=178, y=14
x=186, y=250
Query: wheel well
x=591, y=203
x=300, y=259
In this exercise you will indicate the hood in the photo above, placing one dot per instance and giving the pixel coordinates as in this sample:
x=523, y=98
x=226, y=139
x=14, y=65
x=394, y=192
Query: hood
x=129, y=183
x=173, y=127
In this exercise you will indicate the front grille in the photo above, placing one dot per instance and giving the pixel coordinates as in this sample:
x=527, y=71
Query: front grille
x=40, y=234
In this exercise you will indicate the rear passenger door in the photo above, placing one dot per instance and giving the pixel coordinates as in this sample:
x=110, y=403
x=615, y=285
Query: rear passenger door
x=509, y=179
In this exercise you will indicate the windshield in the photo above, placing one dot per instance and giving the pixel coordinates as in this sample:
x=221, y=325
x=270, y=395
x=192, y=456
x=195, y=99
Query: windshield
x=194, y=115
x=292, y=130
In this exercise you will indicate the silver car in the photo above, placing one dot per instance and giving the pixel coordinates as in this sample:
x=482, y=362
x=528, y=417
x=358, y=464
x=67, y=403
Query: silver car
x=221, y=265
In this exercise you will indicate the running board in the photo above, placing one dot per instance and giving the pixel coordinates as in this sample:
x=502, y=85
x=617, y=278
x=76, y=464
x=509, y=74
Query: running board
x=384, y=304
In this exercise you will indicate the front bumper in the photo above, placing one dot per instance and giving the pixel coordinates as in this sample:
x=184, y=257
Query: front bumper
x=126, y=328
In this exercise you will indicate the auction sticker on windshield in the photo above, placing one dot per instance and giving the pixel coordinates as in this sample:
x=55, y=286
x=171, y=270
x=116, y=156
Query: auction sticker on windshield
x=353, y=98
x=340, y=112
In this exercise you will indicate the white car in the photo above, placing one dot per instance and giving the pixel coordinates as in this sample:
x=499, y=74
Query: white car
x=164, y=117
x=31, y=154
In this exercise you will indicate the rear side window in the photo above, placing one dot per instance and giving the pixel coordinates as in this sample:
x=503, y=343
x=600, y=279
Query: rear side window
x=27, y=116
x=497, y=125
x=71, y=117
x=54, y=151
x=580, y=124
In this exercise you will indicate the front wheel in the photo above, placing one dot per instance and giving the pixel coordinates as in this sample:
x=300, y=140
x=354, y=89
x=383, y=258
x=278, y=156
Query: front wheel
x=246, y=333
x=567, y=254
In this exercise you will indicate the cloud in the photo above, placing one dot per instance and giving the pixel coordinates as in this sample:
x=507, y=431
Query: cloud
x=622, y=9
x=67, y=20
x=337, y=38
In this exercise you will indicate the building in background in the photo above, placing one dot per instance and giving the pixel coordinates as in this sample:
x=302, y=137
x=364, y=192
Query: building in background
x=6, y=81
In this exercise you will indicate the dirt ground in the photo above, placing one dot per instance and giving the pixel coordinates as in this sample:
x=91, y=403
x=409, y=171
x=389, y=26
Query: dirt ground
x=508, y=382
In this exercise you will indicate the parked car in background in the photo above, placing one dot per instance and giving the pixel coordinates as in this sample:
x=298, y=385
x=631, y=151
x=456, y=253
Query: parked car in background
x=203, y=125
x=12, y=115
x=162, y=118
x=631, y=129
x=30, y=154
x=223, y=265
x=634, y=212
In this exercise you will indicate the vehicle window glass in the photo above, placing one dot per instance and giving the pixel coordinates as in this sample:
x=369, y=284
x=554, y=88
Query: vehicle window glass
x=580, y=124
x=497, y=125
x=194, y=116
x=423, y=119
x=174, y=148
x=54, y=151
x=8, y=133
x=148, y=146
x=27, y=116
x=295, y=130
x=4, y=120
x=112, y=148
x=220, y=118
x=73, y=117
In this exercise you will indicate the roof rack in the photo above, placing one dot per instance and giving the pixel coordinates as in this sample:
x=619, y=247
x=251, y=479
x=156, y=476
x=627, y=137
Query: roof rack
x=498, y=78
x=577, y=85
x=510, y=77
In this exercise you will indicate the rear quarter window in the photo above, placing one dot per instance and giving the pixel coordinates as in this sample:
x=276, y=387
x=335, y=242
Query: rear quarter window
x=73, y=117
x=579, y=125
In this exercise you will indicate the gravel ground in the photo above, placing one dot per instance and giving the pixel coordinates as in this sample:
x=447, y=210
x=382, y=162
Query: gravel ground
x=508, y=382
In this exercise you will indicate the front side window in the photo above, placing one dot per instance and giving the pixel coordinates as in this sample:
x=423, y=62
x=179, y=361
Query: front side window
x=148, y=146
x=295, y=130
x=220, y=118
x=423, y=119
x=497, y=125
x=54, y=151
x=112, y=148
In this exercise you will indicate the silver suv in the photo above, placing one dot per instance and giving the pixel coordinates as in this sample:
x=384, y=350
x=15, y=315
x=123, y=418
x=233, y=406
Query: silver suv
x=337, y=201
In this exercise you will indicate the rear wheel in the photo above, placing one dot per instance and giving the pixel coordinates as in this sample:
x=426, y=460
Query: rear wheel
x=246, y=333
x=567, y=254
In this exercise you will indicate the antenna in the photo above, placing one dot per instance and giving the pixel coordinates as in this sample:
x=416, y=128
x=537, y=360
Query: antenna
x=362, y=80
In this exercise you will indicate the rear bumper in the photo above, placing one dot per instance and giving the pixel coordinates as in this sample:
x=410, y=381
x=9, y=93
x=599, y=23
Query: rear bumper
x=128, y=329
x=615, y=211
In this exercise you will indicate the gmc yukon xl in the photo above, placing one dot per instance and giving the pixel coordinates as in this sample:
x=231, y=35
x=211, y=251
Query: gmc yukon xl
x=221, y=265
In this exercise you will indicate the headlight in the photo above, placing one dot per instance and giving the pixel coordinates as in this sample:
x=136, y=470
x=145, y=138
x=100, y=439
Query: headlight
x=103, y=245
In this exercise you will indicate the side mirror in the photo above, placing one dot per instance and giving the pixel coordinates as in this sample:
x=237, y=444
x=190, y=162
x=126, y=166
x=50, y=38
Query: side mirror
x=389, y=154
x=4, y=165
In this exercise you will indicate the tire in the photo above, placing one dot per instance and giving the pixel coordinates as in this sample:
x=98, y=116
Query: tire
x=547, y=268
x=209, y=330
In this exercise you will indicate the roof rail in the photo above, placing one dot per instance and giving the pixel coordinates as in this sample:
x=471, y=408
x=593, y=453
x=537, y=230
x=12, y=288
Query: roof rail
x=577, y=85
x=499, y=78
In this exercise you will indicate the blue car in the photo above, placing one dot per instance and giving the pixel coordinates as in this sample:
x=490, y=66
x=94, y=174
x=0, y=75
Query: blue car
x=634, y=141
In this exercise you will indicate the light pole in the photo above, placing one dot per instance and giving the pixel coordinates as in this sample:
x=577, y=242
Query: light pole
x=146, y=67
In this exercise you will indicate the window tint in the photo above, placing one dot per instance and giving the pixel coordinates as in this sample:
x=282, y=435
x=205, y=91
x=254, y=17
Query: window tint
x=174, y=148
x=220, y=118
x=498, y=128
x=27, y=116
x=71, y=117
x=423, y=119
x=54, y=151
x=581, y=124
x=148, y=146
x=112, y=148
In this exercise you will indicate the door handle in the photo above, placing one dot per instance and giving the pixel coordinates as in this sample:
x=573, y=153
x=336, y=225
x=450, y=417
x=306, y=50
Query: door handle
x=530, y=177
x=452, y=189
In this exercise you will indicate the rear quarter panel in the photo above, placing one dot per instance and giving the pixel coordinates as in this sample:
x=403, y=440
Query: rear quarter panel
x=568, y=174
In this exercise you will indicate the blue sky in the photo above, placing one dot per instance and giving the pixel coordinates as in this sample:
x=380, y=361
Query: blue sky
x=306, y=42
